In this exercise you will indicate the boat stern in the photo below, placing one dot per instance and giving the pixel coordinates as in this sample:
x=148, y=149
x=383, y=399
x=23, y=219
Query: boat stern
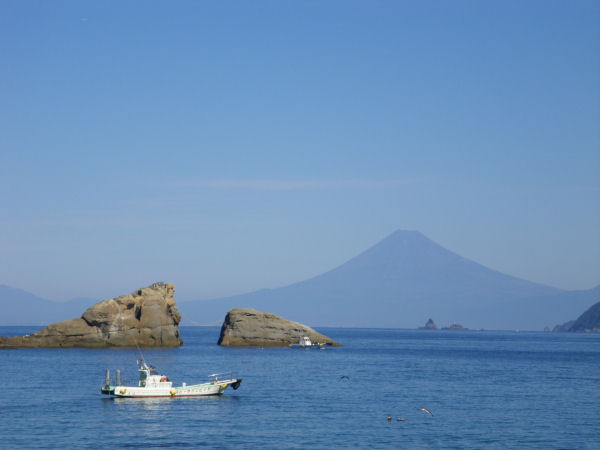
x=107, y=390
x=234, y=383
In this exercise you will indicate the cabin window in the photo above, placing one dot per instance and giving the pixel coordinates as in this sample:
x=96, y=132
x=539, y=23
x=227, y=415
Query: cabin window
x=143, y=376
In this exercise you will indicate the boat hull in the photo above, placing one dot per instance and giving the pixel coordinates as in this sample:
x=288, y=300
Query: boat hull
x=318, y=346
x=197, y=390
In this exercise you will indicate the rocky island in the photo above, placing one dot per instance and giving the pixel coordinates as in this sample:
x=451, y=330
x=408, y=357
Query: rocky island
x=430, y=325
x=455, y=327
x=147, y=317
x=248, y=327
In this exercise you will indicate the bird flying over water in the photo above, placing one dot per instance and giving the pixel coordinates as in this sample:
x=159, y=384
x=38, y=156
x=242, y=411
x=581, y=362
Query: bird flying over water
x=427, y=411
x=344, y=376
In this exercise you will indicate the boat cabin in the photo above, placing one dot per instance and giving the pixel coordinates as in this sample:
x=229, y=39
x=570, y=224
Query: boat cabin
x=149, y=377
x=305, y=341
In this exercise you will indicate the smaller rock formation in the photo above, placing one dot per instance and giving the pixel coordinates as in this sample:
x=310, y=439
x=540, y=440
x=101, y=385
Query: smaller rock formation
x=455, y=326
x=248, y=327
x=588, y=322
x=430, y=325
x=147, y=317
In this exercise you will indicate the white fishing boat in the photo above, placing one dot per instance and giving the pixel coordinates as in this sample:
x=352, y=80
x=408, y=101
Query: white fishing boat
x=152, y=384
x=305, y=342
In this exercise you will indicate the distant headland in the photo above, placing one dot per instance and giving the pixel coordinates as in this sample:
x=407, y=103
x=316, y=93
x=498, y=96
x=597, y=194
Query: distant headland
x=588, y=322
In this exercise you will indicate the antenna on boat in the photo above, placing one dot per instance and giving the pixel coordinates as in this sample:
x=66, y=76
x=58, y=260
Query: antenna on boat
x=142, y=360
x=144, y=365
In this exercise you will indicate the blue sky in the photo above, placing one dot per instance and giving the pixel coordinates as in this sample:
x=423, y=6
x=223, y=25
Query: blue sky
x=231, y=146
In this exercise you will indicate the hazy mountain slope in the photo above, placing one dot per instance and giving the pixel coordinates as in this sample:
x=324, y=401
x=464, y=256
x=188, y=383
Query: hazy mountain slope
x=401, y=282
x=18, y=307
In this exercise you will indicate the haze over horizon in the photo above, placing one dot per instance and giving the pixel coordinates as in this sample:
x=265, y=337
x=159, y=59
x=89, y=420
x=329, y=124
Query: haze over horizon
x=231, y=147
x=393, y=284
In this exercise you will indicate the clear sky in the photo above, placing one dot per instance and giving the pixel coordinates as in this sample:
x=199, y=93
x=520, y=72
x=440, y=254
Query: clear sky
x=229, y=146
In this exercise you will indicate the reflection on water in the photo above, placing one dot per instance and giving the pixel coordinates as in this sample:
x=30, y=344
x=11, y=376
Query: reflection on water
x=153, y=402
x=160, y=418
x=165, y=403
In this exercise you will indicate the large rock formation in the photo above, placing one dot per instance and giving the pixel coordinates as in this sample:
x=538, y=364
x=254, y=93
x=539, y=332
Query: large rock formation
x=588, y=322
x=248, y=327
x=147, y=317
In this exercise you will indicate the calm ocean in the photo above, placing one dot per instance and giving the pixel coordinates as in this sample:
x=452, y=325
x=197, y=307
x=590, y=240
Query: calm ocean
x=485, y=390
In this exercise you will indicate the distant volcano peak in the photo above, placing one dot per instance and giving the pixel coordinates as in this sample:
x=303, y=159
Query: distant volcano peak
x=406, y=236
x=405, y=248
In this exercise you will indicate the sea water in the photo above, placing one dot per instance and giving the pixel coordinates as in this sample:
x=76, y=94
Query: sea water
x=484, y=390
